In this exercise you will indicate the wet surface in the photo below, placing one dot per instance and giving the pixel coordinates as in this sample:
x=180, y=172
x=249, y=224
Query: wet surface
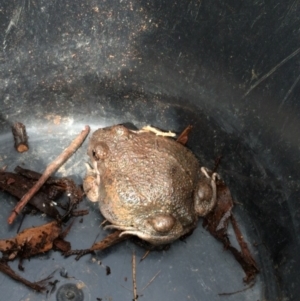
x=229, y=69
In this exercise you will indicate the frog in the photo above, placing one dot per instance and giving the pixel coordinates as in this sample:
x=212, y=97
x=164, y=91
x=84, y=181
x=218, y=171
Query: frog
x=147, y=184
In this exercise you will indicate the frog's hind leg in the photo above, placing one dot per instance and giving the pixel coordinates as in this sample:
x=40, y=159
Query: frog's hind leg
x=213, y=179
x=91, y=183
x=206, y=195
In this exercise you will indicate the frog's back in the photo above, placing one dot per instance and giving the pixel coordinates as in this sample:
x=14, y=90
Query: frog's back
x=155, y=171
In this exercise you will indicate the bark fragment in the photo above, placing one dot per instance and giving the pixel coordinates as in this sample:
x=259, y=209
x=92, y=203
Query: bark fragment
x=20, y=137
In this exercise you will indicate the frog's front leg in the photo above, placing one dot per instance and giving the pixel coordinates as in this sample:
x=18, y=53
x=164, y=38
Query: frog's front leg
x=205, y=197
x=91, y=183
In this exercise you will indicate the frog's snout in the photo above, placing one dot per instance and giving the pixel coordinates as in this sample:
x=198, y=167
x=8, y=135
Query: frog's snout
x=162, y=223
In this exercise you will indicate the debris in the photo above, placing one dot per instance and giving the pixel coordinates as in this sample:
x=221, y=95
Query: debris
x=37, y=286
x=51, y=168
x=31, y=241
x=183, y=137
x=45, y=199
x=20, y=137
x=108, y=270
x=18, y=185
x=216, y=222
x=55, y=186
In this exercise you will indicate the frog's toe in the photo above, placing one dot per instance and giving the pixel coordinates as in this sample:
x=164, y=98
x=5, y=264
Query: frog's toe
x=119, y=227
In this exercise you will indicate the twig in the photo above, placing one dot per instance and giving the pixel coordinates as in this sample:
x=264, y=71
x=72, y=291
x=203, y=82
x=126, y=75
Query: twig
x=151, y=280
x=38, y=286
x=239, y=291
x=51, y=168
x=272, y=71
x=145, y=255
x=134, y=277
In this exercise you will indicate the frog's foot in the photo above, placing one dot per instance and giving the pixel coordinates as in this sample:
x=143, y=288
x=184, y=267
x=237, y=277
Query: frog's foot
x=96, y=171
x=117, y=227
x=206, y=197
x=93, y=172
x=126, y=230
x=91, y=183
x=157, y=132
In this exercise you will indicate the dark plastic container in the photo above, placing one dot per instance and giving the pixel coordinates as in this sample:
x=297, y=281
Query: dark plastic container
x=231, y=69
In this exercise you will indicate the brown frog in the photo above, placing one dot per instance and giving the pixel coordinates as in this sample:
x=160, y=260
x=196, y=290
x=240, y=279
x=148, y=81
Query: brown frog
x=147, y=184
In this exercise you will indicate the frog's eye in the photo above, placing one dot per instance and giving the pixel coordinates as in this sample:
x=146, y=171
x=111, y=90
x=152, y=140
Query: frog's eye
x=100, y=151
x=121, y=131
x=205, y=197
x=162, y=223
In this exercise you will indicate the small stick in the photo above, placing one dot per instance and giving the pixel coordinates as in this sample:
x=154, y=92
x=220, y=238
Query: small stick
x=134, y=277
x=145, y=255
x=151, y=280
x=239, y=291
x=20, y=137
x=38, y=286
x=51, y=168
